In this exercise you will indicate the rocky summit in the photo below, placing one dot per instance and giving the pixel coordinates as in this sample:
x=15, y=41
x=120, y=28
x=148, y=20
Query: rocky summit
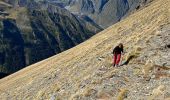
x=31, y=31
x=85, y=72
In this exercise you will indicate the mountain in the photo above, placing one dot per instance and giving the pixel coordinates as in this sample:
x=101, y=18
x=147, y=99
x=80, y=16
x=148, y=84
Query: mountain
x=85, y=71
x=32, y=31
x=101, y=12
x=105, y=12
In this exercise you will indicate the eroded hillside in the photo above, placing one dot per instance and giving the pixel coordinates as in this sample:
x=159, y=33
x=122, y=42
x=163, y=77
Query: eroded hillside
x=85, y=71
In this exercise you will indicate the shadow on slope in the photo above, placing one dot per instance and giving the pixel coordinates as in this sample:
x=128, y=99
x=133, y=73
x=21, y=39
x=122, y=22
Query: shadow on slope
x=128, y=60
x=3, y=75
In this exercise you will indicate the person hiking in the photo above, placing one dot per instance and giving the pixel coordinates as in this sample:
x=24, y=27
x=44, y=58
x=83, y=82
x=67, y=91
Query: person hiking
x=117, y=51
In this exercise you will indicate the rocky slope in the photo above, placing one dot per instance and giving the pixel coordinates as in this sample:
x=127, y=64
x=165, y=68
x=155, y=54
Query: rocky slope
x=85, y=71
x=30, y=32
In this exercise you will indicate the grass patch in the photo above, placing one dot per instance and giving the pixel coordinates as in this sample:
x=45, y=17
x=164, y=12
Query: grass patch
x=147, y=68
x=122, y=94
x=157, y=92
x=88, y=92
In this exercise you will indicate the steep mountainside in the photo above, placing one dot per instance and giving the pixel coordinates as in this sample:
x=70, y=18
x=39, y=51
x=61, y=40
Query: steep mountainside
x=105, y=12
x=33, y=31
x=85, y=71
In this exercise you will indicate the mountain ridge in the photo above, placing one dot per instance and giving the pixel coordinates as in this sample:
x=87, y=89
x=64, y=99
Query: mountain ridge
x=106, y=12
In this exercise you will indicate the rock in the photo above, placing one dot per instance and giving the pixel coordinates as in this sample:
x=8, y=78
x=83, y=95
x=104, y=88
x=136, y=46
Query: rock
x=52, y=97
x=153, y=76
x=167, y=95
x=100, y=59
x=147, y=78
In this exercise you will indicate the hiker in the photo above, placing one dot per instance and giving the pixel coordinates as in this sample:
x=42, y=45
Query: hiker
x=117, y=51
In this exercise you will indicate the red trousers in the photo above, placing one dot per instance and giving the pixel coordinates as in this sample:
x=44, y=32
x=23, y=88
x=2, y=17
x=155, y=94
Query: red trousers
x=116, y=59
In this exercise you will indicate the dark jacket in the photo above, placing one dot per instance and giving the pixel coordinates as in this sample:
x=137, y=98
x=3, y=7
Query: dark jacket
x=117, y=50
